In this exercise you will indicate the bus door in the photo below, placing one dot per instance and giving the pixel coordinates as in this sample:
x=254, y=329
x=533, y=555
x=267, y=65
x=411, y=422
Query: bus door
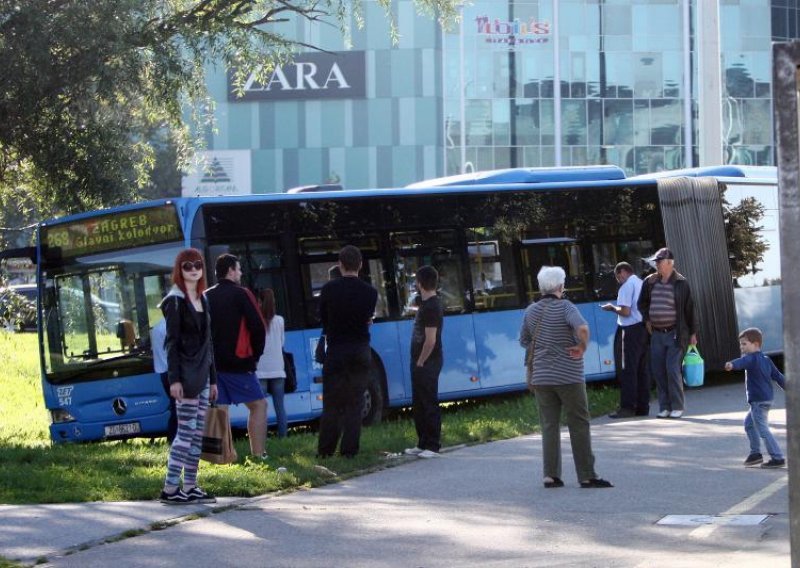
x=319, y=264
x=496, y=308
x=566, y=253
x=437, y=248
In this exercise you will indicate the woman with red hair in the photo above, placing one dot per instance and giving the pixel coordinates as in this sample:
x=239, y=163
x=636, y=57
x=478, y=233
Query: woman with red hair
x=191, y=374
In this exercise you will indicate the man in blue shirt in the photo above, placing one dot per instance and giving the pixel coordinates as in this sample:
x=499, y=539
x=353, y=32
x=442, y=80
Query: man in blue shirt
x=630, y=346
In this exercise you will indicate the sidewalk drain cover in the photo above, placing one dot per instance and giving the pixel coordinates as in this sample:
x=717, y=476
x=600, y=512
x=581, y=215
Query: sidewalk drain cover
x=701, y=520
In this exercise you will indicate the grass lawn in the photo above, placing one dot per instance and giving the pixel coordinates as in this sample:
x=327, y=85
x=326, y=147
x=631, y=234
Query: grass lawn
x=32, y=470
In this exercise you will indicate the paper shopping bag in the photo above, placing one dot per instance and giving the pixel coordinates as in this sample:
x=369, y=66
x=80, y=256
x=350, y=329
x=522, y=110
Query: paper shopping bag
x=217, y=438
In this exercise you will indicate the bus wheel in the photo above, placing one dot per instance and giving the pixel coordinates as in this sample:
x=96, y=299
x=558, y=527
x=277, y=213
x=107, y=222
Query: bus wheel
x=373, y=399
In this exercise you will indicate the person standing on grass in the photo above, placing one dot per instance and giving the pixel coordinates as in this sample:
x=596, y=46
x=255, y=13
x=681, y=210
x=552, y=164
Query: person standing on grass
x=270, y=368
x=231, y=305
x=346, y=308
x=759, y=373
x=426, y=364
x=158, y=335
x=191, y=374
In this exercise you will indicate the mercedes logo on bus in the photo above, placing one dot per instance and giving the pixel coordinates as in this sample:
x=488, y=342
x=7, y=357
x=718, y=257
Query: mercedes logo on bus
x=119, y=406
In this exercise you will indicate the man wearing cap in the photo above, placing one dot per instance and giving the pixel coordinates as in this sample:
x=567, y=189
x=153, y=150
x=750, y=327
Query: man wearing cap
x=668, y=312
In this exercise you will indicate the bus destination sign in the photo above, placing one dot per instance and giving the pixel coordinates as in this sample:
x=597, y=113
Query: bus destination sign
x=140, y=227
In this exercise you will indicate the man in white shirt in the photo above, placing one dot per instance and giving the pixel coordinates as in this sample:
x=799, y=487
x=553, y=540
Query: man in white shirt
x=157, y=335
x=630, y=346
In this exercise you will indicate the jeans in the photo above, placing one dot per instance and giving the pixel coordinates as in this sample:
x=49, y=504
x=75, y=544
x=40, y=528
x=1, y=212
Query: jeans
x=275, y=388
x=572, y=399
x=425, y=402
x=666, y=357
x=756, y=424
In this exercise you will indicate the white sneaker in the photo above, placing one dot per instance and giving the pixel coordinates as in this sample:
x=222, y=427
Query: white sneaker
x=415, y=451
x=427, y=454
x=676, y=414
x=663, y=414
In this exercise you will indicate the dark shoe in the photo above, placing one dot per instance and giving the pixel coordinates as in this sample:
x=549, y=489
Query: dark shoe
x=197, y=495
x=622, y=413
x=556, y=482
x=753, y=460
x=596, y=483
x=773, y=464
x=176, y=498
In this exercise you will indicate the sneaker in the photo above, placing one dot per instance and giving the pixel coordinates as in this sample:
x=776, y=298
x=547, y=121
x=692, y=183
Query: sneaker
x=773, y=464
x=197, y=495
x=676, y=414
x=427, y=454
x=753, y=460
x=176, y=498
x=663, y=414
x=415, y=451
x=622, y=413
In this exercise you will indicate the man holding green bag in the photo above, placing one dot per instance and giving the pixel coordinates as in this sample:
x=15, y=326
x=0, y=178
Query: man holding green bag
x=668, y=312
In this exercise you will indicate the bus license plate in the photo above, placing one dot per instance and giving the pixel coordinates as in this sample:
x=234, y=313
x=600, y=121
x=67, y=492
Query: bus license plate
x=123, y=429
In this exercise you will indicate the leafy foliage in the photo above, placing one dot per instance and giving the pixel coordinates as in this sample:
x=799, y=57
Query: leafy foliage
x=92, y=91
x=746, y=247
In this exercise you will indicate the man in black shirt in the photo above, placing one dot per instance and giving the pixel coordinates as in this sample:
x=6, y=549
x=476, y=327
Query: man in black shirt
x=346, y=308
x=426, y=364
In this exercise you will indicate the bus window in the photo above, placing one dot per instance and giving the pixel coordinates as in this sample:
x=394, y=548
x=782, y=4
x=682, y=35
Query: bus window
x=438, y=249
x=491, y=263
x=563, y=252
x=319, y=264
x=607, y=255
x=262, y=267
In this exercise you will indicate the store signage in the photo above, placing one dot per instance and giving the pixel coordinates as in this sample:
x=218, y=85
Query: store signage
x=513, y=32
x=219, y=172
x=339, y=75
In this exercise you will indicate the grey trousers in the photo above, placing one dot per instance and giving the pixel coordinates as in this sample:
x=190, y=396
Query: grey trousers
x=572, y=399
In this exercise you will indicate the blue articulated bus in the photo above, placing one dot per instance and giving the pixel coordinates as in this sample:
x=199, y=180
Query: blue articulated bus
x=101, y=276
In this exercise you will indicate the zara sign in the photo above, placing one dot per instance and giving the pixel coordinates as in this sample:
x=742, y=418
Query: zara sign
x=338, y=75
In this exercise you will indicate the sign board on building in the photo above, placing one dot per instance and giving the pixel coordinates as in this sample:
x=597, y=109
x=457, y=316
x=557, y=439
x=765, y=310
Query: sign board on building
x=338, y=75
x=221, y=172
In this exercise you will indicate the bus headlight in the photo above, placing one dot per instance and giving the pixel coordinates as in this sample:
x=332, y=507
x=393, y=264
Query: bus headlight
x=60, y=415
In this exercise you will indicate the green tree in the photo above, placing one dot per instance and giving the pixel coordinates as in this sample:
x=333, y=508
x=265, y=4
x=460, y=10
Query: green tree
x=745, y=246
x=92, y=91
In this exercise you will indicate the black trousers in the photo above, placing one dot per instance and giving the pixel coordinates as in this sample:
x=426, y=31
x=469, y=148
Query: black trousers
x=630, y=352
x=425, y=404
x=345, y=376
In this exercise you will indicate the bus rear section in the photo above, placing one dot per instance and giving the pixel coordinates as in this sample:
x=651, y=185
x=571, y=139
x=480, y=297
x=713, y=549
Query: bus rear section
x=101, y=278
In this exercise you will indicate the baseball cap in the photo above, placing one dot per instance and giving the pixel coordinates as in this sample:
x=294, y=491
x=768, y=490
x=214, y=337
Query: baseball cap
x=661, y=254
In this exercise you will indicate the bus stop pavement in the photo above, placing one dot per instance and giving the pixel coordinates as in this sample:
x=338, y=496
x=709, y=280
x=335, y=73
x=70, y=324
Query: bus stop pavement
x=481, y=505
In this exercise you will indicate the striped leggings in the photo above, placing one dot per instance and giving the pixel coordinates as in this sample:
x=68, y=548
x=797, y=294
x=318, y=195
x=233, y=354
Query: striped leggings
x=184, y=454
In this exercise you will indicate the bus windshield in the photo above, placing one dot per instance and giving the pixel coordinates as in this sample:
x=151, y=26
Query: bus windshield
x=98, y=305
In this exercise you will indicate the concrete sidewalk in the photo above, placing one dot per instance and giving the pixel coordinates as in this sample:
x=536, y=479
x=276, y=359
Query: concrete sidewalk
x=476, y=506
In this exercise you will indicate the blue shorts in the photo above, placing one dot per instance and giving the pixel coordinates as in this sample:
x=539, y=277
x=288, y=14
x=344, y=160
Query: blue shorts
x=236, y=388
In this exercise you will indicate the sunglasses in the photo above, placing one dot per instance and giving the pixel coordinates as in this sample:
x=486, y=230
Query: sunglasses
x=188, y=266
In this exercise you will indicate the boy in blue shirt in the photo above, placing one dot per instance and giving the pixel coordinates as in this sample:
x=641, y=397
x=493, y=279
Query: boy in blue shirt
x=760, y=371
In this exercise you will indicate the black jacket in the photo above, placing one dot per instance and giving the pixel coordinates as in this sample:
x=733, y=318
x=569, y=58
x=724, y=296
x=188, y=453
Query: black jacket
x=685, y=318
x=190, y=356
x=230, y=303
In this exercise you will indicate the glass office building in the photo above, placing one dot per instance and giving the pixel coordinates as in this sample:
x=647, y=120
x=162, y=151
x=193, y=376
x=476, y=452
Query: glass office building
x=518, y=83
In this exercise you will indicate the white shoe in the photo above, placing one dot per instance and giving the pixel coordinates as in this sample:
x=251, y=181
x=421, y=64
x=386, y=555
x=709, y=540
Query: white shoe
x=427, y=454
x=415, y=451
x=676, y=414
x=663, y=414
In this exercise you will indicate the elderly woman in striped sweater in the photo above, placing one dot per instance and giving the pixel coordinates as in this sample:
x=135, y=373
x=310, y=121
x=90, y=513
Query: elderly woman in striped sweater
x=555, y=336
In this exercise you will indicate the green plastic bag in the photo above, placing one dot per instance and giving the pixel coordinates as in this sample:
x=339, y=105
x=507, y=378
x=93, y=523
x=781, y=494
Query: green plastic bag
x=693, y=367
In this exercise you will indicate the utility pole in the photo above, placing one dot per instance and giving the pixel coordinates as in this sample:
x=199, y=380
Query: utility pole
x=785, y=92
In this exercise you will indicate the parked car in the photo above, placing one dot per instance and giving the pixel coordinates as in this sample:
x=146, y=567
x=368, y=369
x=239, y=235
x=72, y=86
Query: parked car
x=18, y=307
